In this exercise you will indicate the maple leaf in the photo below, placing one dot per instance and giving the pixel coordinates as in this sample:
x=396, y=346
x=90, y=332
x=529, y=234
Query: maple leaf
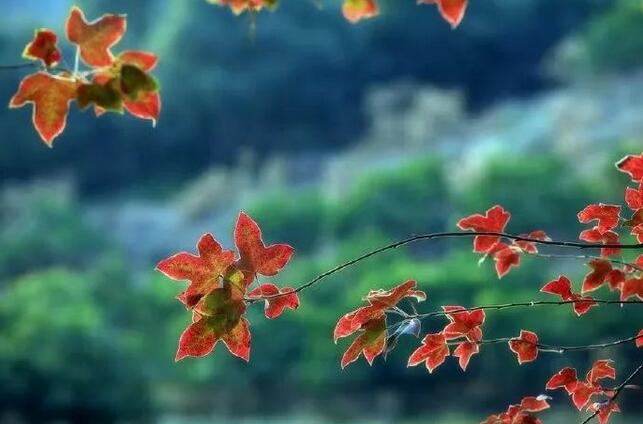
x=204, y=272
x=639, y=339
x=634, y=197
x=632, y=287
x=94, y=39
x=433, y=352
x=463, y=323
x=582, y=393
x=604, y=410
x=254, y=256
x=240, y=6
x=525, y=347
x=464, y=352
x=564, y=378
x=596, y=236
x=127, y=84
x=451, y=10
x=51, y=96
x=369, y=319
x=371, y=342
x=522, y=412
x=600, y=270
x=218, y=316
x=607, y=216
x=495, y=220
x=275, y=306
x=505, y=257
x=530, y=246
x=385, y=299
x=534, y=403
x=44, y=47
x=601, y=369
x=356, y=10
x=632, y=165
x=562, y=287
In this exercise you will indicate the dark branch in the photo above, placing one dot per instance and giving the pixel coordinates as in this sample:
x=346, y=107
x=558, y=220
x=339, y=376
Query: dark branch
x=433, y=236
x=26, y=65
x=525, y=304
x=557, y=349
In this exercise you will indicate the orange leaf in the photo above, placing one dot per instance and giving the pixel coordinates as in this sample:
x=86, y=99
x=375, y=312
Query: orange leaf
x=451, y=10
x=95, y=38
x=356, y=10
x=51, y=96
x=203, y=271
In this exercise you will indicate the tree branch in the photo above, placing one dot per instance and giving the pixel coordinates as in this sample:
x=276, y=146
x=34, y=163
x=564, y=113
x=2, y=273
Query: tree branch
x=433, y=236
x=556, y=349
x=524, y=304
x=19, y=66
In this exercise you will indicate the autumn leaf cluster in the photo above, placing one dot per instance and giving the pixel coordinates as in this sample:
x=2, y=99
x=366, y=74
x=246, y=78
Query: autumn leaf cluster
x=354, y=10
x=113, y=83
x=221, y=286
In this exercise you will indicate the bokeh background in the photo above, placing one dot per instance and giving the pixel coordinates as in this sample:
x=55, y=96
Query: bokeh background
x=336, y=138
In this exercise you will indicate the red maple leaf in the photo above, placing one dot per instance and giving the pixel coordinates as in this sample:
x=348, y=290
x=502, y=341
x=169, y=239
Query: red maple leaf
x=464, y=352
x=463, y=323
x=218, y=316
x=371, y=342
x=607, y=216
x=604, y=410
x=451, y=10
x=204, y=272
x=639, y=339
x=369, y=320
x=505, y=257
x=632, y=165
x=634, y=197
x=521, y=413
x=564, y=378
x=525, y=347
x=632, y=287
x=433, y=352
x=562, y=287
x=94, y=39
x=44, y=47
x=600, y=369
x=595, y=279
x=596, y=236
x=254, y=256
x=530, y=246
x=275, y=306
x=495, y=220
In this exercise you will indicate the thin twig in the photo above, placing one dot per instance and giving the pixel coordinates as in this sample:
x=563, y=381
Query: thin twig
x=19, y=66
x=587, y=257
x=524, y=304
x=432, y=236
x=557, y=349
x=617, y=391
